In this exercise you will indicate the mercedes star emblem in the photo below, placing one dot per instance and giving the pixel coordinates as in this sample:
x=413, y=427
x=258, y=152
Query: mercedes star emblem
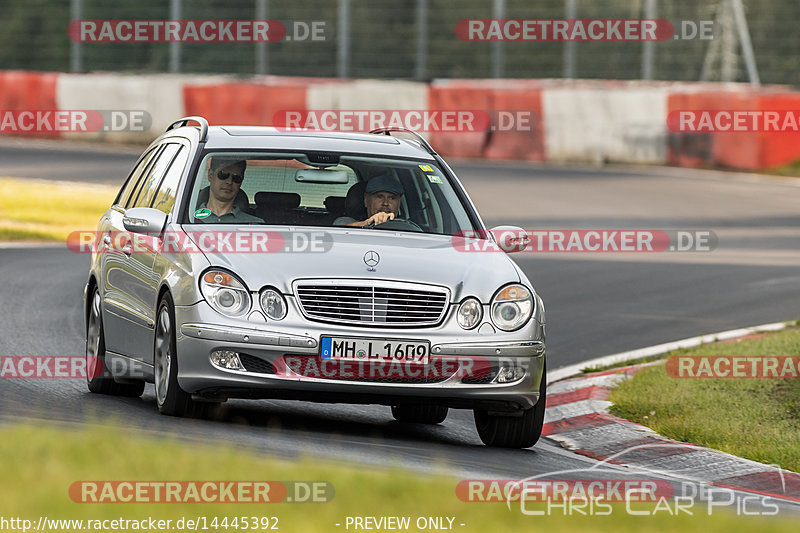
x=372, y=259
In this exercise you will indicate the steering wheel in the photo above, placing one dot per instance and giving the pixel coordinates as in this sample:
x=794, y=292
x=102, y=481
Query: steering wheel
x=399, y=224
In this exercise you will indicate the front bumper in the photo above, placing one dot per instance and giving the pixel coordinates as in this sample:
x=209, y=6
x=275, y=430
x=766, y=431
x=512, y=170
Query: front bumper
x=268, y=350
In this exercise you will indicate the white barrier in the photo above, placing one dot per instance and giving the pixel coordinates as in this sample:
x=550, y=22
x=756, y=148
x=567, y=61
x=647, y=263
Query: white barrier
x=159, y=95
x=614, y=124
x=368, y=94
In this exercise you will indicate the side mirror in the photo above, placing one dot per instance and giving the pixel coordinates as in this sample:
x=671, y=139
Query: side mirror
x=510, y=238
x=144, y=220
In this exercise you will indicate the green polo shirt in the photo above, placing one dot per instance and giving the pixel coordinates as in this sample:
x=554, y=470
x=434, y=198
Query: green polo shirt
x=231, y=217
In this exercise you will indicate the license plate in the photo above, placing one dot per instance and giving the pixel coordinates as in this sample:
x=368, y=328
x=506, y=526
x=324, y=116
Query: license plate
x=357, y=349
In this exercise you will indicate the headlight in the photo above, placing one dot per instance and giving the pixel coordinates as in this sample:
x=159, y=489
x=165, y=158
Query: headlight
x=225, y=293
x=470, y=313
x=273, y=303
x=512, y=307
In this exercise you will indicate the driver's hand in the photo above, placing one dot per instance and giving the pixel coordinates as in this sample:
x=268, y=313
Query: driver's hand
x=379, y=218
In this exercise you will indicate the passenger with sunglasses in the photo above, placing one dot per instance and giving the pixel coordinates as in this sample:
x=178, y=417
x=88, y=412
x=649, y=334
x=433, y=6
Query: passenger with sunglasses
x=225, y=177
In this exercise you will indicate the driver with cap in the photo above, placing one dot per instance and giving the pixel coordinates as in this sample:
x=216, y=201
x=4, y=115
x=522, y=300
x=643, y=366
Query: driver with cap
x=382, y=200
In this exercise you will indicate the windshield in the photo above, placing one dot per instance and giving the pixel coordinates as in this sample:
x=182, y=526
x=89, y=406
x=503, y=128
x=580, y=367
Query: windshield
x=289, y=189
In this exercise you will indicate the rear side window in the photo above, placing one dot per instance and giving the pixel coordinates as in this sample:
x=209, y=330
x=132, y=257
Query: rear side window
x=153, y=179
x=133, y=180
x=165, y=198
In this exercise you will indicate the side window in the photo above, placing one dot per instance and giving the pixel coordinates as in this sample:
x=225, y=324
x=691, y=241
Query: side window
x=129, y=201
x=153, y=179
x=133, y=180
x=165, y=198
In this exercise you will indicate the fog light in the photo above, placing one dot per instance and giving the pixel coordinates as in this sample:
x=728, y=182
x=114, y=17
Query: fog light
x=510, y=372
x=226, y=359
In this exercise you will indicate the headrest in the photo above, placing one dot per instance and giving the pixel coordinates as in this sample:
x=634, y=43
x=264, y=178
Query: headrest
x=354, y=202
x=335, y=204
x=241, y=201
x=277, y=200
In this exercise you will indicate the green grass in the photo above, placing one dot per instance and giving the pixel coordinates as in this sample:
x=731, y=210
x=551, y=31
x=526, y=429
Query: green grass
x=8, y=234
x=757, y=419
x=37, y=210
x=790, y=169
x=39, y=464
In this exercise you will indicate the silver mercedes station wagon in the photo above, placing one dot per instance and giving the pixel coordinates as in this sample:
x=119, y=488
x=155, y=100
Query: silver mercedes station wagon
x=253, y=262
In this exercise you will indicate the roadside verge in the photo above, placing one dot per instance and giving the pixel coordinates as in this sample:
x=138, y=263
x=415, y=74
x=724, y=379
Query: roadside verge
x=579, y=417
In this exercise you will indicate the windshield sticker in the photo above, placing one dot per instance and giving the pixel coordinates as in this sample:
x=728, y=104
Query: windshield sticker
x=202, y=213
x=434, y=179
x=426, y=168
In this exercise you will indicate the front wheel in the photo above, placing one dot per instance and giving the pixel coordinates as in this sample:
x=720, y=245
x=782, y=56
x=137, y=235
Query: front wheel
x=514, y=431
x=171, y=399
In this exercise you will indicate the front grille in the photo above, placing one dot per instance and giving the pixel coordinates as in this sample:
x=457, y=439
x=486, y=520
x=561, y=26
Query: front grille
x=367, y=303
x=481, y=376
x=256, y=364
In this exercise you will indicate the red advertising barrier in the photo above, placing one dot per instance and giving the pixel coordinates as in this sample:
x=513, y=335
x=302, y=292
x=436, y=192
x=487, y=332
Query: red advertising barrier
x=519, y=132
x=733, y=129
x=780, y=147
x=453, y=98
x=28, y=91
x=687, y=148
x=515, y=108
x=247, y=104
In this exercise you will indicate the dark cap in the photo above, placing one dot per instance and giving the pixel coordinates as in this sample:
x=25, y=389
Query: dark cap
x=222, y=162
x=384, y=182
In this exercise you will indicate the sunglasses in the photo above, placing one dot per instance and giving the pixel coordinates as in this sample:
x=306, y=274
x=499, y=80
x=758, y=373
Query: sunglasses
x=222, y=175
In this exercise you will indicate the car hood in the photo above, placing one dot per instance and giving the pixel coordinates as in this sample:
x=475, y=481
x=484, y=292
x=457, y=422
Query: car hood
x=402, y=256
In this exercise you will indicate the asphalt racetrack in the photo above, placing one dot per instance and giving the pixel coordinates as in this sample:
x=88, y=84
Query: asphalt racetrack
x=597, y=303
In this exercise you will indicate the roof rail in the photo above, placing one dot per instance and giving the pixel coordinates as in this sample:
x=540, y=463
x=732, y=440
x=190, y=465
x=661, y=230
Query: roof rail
x=185, y=121
x=388, y=131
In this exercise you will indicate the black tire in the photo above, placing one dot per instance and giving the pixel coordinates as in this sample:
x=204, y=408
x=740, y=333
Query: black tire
x=420, y=414
x=170, y=398
x=514, y=431
x=98, y=377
